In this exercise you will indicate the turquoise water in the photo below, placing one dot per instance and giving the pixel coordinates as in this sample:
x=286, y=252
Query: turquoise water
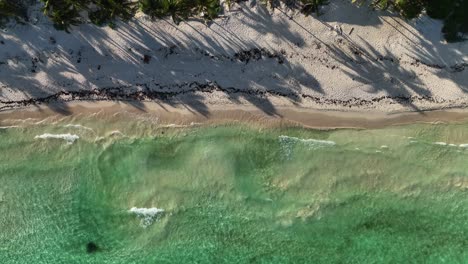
x=232, y=194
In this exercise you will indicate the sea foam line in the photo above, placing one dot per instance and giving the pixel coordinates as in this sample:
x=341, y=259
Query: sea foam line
x=67, y=137
x=288, y=142
x=147, y=215
x=79, y=127
x=310, y=141
x=451, y=145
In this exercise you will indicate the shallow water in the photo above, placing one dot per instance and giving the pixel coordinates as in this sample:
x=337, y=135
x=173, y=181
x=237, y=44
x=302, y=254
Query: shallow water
x=87, y=191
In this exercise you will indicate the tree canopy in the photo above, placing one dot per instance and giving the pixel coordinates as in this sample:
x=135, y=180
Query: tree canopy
x=66, y=13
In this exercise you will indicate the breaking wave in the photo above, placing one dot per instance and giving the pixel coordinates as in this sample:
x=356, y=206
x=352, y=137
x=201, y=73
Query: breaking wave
x=78, y=127
x=147, y=215
x=287, y=143
x=451, y=145
x=67, y=137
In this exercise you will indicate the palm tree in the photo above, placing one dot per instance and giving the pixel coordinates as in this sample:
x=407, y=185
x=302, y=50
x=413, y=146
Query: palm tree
x=178, y=10
x=65, y=13
x=13, y=9
x=108, y=11
x=208, y=9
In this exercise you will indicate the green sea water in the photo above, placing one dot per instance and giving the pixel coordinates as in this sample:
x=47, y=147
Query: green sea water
x=232, y=194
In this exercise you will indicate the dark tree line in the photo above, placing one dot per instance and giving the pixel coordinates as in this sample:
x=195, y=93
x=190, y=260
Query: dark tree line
x=66, y=13
x=454, y=13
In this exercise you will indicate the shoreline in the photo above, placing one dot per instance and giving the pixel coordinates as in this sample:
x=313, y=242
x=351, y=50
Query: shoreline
x=170, y=115
x=251, y=56
x=212, y=93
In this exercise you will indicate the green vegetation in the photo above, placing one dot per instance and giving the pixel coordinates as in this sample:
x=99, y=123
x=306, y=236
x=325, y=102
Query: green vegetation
x=452, y=12
x=66, y=13
x=306, y=7
x=180, y=10
x=12, y=9
x=107, y=11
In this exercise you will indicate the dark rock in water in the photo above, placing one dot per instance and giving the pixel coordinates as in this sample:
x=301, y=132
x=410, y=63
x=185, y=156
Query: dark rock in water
x=91, y=247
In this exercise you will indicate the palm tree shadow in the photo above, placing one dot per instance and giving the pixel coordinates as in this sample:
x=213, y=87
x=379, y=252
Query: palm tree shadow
x=144, y=62
x=377, y=72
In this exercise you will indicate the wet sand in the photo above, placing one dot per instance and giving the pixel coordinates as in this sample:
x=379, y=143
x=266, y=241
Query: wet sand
x=168, y=115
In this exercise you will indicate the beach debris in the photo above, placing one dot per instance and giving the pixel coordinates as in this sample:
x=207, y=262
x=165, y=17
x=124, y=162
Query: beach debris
x=257, y=54
x=146, y=59
x=78, y=60
x=338, y=29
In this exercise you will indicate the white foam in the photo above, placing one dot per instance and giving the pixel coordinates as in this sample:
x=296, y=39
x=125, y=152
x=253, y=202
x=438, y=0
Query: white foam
x=147, y=215
x=451, y=145
x=67, y=137
x=173, y=126
x=7, y=127
x=288, y=142
x=79, y=127
x=315, y=142
x=180, y=126
x=116, y=133
x=384, y=147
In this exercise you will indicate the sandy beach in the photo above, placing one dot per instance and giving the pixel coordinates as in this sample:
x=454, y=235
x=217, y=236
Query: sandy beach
x=166, y=115
x=261, y=137
x=352, y=59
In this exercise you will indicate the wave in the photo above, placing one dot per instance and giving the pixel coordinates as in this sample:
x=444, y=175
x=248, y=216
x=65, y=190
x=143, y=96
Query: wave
x=8, y=127
x=451, y=145
x=147, y=215
x=79, y=127
x=67, y=137
x=180, y=126
x=173, y=126
x=288, y=142
x=309, y=142
x=116, y=133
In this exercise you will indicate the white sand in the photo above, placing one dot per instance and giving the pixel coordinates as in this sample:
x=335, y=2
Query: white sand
x=385, y=63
